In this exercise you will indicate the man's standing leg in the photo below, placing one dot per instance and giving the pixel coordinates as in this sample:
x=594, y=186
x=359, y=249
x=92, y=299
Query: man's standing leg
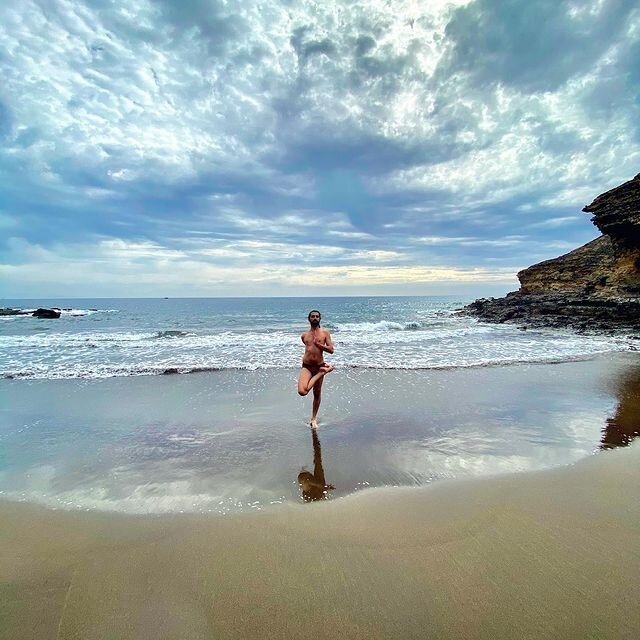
x=317, y=397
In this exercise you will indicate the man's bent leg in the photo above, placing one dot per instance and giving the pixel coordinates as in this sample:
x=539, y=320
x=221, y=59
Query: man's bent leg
x=313, y=380
x=324, y=369
x=303, y=381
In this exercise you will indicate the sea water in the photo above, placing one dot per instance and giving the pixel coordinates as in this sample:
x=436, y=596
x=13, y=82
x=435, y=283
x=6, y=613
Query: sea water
x=124, y=337
x=419, y=394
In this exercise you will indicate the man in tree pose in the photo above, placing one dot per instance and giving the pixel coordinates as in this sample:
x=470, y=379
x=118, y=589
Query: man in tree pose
x=314, y=368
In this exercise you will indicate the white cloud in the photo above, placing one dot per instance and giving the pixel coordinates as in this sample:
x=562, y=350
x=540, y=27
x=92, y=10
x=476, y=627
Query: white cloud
x=554, y=223
x=545, y=143
x=198, y=127
x=148, y=269
x=111, y=95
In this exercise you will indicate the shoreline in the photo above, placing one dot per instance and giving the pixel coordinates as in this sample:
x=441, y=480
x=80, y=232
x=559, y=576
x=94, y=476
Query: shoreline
x=370, y=494
x=176, y=370
x=544, y=554
x=236, y=441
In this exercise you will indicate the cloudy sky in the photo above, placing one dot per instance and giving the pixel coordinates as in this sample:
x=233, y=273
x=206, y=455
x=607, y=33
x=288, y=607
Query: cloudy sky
x=265, y=147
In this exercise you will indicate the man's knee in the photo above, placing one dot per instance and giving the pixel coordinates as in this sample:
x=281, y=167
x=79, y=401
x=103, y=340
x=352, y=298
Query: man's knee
x=302, y=392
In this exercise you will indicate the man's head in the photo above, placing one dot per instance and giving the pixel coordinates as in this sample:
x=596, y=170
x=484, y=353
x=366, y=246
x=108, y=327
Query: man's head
x=314, y=318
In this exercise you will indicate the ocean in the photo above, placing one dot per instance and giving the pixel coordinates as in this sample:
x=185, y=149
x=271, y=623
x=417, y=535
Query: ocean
x=419, y=394
x=126, y=337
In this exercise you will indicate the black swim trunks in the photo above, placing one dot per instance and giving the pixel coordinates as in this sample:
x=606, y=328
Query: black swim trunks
x=312, y=368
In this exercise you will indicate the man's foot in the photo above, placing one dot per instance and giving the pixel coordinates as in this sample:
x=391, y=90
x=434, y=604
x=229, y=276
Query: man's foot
x=326, y=368
x=313, y=423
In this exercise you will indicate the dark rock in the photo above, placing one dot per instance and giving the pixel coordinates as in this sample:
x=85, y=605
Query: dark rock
x=170, y=371
x=560, y=310
x=595, y=287
x=13, y=312
x=46, y=313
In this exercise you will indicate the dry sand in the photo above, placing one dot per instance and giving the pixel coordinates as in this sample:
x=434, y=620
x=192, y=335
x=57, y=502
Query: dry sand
x=553, y=554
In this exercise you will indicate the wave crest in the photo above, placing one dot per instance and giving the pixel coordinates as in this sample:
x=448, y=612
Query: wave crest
x=381, y=325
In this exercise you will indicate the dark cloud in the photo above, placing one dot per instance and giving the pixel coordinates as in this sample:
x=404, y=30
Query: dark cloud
x=363, y=45
x=617, y=89
x=535, y=46
x=372, y=60
x=211, y=24
x=209, y=21
x=306, y=46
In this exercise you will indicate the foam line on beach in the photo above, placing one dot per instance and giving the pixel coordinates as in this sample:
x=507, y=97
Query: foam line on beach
x=98, y=371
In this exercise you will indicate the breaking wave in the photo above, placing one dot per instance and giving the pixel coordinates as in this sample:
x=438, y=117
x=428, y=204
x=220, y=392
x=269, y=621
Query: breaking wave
x=147, y=342
x=382, y=325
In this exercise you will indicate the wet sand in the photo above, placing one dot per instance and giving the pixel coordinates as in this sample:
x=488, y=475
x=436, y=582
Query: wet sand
x=550, y=554
x=233, y=441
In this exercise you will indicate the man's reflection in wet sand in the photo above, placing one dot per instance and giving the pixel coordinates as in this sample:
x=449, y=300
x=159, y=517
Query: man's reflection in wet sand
x=624, y=426
x=313, y=485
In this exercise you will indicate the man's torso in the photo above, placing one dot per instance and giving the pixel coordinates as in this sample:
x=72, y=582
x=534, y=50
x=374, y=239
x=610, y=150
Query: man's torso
x=313, y=356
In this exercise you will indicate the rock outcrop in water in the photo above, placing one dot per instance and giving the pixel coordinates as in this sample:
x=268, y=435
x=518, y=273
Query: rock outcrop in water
x=596, y=286
x=38, y=313
x=8, y=311
x=46, y=313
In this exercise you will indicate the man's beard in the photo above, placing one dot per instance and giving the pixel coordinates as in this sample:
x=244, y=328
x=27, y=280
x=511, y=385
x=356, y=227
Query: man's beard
x=314, y=323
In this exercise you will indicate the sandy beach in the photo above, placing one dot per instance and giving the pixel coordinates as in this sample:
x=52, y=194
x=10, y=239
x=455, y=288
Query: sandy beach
x=552, y=554
x=473, y=551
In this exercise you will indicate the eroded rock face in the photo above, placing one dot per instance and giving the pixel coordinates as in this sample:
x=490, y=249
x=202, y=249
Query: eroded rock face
x=586, y=269
x=596, y=286
x=617, y=214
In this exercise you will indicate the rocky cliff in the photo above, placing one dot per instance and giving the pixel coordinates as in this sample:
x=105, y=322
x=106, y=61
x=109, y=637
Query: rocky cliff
x=596, y=286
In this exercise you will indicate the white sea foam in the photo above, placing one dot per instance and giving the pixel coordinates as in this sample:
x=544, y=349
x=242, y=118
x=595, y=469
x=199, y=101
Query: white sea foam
x=153, y=498
x=147, y=344
x=383, y=325
x=126, y=492
x=85, y=312
x=128, y=354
